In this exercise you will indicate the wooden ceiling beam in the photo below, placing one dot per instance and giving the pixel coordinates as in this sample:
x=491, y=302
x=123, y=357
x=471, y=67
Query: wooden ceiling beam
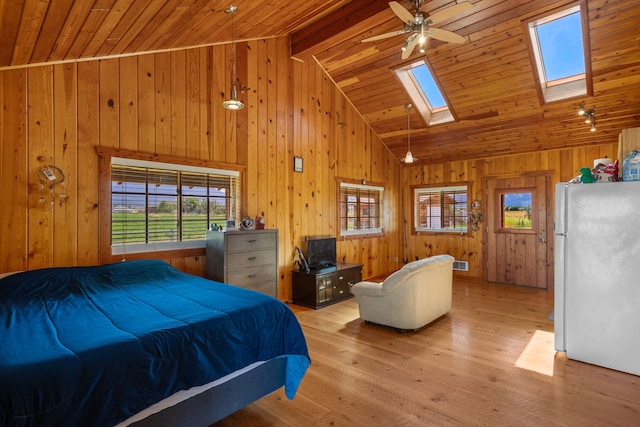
x=353, y=18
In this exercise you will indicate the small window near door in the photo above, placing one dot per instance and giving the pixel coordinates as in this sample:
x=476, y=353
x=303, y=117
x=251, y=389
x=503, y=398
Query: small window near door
x=516, y=210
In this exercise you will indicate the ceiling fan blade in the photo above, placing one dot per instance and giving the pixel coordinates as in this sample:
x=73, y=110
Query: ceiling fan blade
x=449, y=12
x=446, y=36
x=384, y=36
x=411, y=45
x=401, y=12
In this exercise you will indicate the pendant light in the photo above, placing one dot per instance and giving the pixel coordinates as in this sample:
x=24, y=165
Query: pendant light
x=408, y=158
x=234, y=103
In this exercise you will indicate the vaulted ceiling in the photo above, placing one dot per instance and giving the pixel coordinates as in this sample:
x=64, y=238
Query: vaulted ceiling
x=488, y=80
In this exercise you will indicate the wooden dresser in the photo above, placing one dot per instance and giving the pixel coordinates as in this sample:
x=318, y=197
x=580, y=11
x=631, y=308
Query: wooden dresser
x=244, y=258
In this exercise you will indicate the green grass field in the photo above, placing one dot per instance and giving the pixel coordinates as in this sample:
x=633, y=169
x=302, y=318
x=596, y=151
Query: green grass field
x=516, y=219
x=130, y=227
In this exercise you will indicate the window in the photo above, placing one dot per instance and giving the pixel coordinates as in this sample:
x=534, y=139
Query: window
x=360, y=210
x=441, y=209
x=559, y=45
x=516, y=210
x=425, y=93
x=159, y=206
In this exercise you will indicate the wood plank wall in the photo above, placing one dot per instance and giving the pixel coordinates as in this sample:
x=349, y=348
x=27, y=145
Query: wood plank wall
x=562, y=165
x=170, y=103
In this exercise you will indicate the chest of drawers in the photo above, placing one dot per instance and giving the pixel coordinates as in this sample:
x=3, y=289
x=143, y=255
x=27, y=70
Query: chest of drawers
x=245, y=258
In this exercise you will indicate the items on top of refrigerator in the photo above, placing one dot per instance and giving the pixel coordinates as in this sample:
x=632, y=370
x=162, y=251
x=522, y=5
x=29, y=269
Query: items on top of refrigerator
x=631, y=167
x=601, y=172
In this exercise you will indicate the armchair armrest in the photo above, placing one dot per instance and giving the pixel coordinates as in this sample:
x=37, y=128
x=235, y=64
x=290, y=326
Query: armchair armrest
x=371, y=289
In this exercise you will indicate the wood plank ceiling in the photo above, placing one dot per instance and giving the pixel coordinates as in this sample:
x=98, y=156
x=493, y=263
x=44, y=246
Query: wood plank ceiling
x=488, y=81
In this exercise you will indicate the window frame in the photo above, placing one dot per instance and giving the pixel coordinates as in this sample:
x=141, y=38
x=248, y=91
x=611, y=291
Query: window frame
x=432, y=116
x=152, y=250
x=458, y=186
x=568, y=87
x=367, y=232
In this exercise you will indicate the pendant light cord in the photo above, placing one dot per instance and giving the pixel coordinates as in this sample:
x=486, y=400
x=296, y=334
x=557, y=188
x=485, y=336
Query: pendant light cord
x=409, y=127
x=233, y=48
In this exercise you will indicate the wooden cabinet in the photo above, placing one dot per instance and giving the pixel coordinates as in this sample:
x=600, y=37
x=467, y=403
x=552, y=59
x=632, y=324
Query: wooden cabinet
x=319, y=289
x=244, y=258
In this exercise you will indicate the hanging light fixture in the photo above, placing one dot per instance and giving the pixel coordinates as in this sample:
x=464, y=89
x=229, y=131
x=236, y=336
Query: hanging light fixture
x=589, y=116
x=408, y=158
x=234, y=103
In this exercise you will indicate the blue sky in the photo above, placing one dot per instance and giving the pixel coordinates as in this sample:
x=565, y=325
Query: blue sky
x=561, y=44
x=517, y=199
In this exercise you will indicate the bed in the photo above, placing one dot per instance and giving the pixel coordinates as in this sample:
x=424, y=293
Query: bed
x=100, y=345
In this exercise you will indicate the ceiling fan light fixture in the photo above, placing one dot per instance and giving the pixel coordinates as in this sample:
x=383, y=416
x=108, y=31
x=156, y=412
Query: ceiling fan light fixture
x=418, y=27
x=233, y=103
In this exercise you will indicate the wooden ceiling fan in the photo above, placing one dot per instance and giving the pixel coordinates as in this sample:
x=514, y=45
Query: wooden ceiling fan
x=417, y=26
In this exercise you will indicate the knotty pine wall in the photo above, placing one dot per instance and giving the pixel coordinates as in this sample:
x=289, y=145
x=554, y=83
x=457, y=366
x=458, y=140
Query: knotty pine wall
x=563, y=165
x=170, y=103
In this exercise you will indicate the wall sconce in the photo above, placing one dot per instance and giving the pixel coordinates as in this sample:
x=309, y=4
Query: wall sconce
x=475, y=216
x=589, y=116
x=50, y=176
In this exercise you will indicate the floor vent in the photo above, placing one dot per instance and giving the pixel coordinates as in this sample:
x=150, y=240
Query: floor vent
x=461, y=265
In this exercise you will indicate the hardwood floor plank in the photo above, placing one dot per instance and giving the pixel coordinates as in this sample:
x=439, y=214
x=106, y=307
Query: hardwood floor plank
x=489, y=361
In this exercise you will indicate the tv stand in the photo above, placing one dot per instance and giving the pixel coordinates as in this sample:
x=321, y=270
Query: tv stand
x=323, y=269
x=326, y=286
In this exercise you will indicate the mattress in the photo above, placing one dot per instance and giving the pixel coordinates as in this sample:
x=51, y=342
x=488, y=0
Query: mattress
x=96, y=345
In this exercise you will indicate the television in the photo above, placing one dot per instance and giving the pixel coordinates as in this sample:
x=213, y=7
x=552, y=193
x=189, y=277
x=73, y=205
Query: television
x=321, y=253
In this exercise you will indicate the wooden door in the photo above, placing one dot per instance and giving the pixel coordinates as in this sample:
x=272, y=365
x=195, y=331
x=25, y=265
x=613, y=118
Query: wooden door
x=516, y=231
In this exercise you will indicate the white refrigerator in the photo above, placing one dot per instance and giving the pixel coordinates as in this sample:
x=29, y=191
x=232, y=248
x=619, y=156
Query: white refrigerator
x=597, y=274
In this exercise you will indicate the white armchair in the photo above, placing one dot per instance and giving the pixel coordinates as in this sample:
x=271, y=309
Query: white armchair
x=408, y=299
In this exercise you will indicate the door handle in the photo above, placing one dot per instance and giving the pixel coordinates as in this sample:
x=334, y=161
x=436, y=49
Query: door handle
x=541, y=238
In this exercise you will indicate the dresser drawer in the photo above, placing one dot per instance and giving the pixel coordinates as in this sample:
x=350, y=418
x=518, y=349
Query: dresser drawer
x=247, y=276
x=243, y=260
x=268, y=288
x=251, y=242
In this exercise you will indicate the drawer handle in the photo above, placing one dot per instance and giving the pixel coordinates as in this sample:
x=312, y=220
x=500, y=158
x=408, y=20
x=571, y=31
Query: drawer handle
x=252, y=275
x=252, y=240
x=251, y=258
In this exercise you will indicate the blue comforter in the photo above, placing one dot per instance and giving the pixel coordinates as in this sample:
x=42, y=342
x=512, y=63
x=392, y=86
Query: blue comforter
x=94, y=345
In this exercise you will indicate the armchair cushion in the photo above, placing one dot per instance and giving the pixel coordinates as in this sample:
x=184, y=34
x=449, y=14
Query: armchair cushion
x=413, y=296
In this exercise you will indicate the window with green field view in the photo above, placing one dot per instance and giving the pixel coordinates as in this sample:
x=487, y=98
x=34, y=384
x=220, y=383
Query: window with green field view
x=516, y=210
x=360, y=210
x=441, y=209
x=157, y=206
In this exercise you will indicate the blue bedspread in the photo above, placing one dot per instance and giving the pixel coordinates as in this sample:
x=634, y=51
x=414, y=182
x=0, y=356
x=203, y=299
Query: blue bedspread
x=91, y=346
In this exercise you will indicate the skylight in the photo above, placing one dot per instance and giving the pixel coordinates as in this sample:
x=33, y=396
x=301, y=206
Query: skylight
x=428, y=86
x=561, y=46
x=425, y=93
x=558, y=44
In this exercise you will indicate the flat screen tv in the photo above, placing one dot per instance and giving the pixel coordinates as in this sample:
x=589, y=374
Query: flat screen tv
x=321, y=253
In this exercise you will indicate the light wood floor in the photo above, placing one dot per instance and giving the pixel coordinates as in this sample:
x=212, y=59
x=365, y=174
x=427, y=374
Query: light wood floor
x=489, y=362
